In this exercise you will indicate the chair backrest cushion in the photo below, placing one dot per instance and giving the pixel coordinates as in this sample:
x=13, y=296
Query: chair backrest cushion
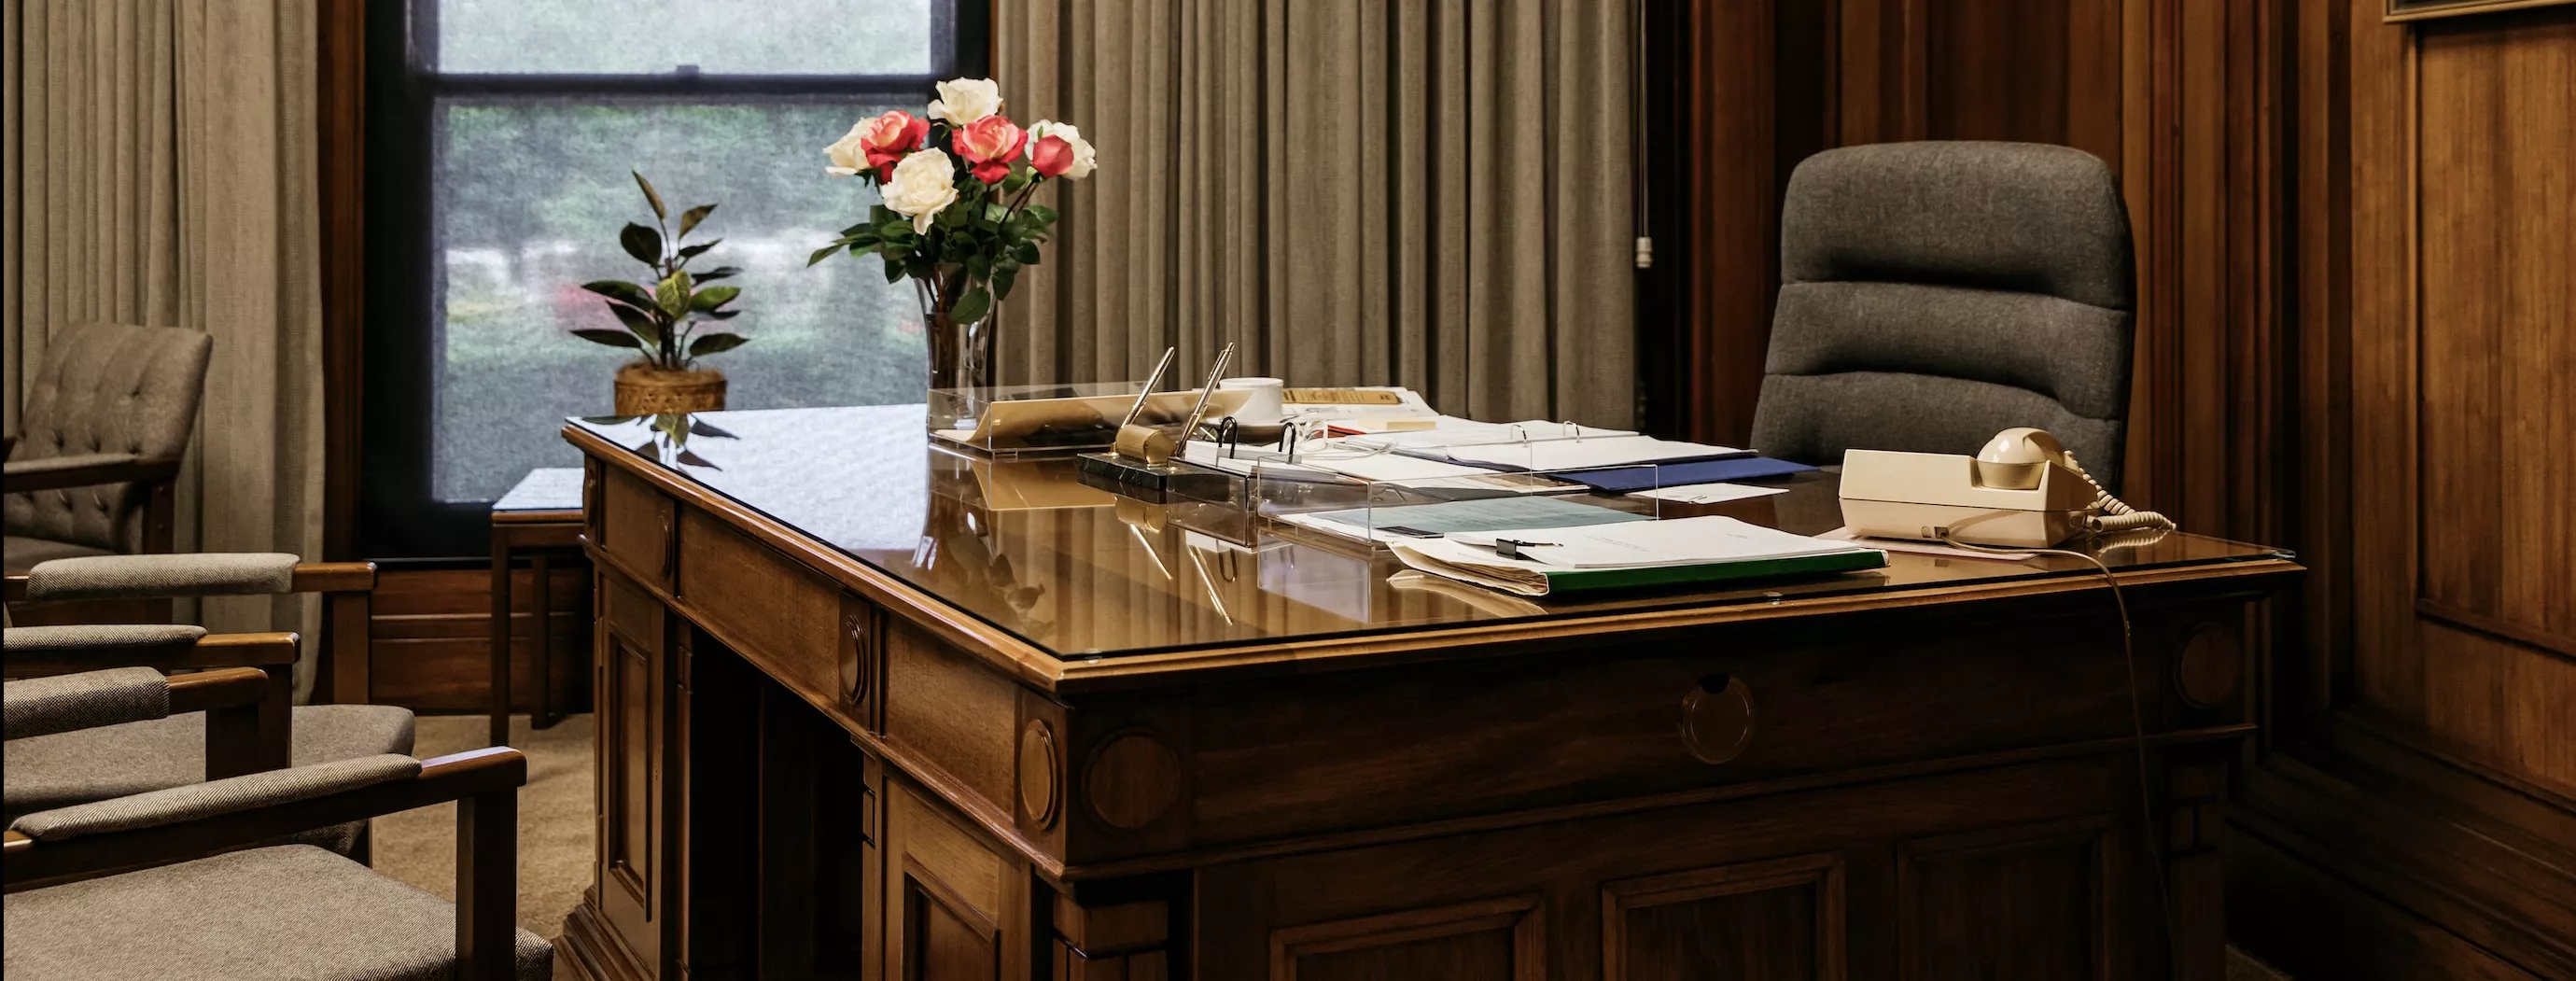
x=1935, y=293
x=106, y=388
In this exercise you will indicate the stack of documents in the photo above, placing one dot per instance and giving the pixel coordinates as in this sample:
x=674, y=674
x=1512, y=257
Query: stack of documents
x=1633, y=554
x=1454, y=431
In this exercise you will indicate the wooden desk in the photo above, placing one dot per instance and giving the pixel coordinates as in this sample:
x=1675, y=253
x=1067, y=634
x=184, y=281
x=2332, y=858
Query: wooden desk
x=868, y=710
x=540, y=515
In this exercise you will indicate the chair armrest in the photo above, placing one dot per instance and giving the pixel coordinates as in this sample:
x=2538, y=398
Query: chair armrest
x=27, y=862
x=184, y=574
x=35, y=652
x=69, y=702
x=84, y=470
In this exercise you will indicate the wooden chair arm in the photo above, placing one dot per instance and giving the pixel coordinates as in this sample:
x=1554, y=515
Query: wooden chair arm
x=255, y=650
x=146, y=470
x=310, y=577
x=474, y=776
x=222, y=688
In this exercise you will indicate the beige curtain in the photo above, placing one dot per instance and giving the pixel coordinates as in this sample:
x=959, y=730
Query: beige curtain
x=1433, y=193
x=160, y=170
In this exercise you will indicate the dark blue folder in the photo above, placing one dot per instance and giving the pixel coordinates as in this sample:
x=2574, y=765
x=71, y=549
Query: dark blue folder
x=1623, y=480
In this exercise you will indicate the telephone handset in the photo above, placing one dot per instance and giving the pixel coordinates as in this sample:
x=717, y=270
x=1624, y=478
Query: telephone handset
x=2023, y=489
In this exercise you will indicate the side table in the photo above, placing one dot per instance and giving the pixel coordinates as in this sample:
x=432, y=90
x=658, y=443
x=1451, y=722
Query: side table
x=540, y=516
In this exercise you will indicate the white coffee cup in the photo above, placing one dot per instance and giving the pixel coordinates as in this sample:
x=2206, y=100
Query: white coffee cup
x=1266, y=405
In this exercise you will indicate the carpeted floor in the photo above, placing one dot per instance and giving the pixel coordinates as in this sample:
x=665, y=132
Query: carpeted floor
x=419, y=847
x=555, y=822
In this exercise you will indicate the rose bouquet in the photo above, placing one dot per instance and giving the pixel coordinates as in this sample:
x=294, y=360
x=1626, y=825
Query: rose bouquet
x=955, y=215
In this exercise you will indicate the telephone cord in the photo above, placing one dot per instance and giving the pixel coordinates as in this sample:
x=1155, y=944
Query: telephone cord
x=2137, y=707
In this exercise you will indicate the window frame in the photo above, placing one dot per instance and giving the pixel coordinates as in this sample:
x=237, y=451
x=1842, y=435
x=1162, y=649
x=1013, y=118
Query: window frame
x=398, y=513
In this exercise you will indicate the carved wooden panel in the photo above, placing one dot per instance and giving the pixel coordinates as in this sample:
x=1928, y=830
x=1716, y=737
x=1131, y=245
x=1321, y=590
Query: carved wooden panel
x=960, y=907
x=2030, y=902
x=1491, y=940
x=1781, y=919
x=630, y=726
x=2464, y=588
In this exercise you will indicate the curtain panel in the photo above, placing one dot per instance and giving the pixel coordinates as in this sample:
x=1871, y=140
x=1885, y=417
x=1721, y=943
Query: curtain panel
x=1433, y=194
x=161, y=170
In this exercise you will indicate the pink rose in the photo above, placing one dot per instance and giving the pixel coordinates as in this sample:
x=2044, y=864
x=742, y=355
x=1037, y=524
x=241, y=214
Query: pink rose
x=889, y=137
x=1052, y=156
x=989, y=144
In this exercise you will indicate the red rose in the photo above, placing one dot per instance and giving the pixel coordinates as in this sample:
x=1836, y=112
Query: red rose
x=990, y=144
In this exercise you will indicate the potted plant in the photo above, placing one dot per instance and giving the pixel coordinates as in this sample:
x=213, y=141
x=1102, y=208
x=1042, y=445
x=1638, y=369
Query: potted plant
x=955, y=215
x=662, y=316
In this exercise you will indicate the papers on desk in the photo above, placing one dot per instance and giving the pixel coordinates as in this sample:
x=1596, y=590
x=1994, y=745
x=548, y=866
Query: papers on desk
x=1708, y=493
x=1417, y=522
x=1454, y=431
x=1579, y=454
x=1333, y=464
x=1640, y=554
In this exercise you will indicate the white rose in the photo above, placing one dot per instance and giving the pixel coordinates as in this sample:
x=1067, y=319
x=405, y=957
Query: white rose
x=848, y=154
x=924, y=184
x=965, y=100
x=1084, y=158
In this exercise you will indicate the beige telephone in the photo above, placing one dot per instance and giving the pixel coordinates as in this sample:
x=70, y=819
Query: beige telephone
x=2022, y=490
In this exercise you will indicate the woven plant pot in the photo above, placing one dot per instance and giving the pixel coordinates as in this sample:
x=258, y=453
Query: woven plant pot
x=643, y=390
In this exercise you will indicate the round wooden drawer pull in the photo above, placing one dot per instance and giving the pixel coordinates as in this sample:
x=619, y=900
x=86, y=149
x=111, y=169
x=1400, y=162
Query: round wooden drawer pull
x=1717, y=718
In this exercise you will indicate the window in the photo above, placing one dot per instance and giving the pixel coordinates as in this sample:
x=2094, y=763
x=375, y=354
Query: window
x=500, y=133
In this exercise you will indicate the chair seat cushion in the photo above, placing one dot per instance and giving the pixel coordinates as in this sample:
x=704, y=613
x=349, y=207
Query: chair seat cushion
x=23, y=553
x=289, y=912
x=45, y=772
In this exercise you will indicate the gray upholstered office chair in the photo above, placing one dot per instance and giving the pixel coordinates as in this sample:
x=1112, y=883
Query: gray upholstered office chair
x=91, y=469
x=175, y=883
x=1933, y=294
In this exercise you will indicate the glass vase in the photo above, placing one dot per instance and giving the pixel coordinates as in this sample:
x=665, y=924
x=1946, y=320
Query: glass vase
x=961, y=358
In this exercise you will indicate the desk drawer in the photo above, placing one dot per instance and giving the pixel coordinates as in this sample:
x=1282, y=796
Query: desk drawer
x=800, y=627
x=1478, y=737
x=635, y=525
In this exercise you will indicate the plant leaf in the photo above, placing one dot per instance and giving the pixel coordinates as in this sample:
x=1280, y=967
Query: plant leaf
x=713, y=343
x=650, y=196
x=822, y=254
x=612, y=338
x=893, y=267
x=689, y=459
x=1003, y=278
x=639, y=322
x=688, y=252
x=713, y=297
x=1045, y=215
x=972, y=307
x=643, y=243
x=689, y=219
x=619, y=289
x=699, y=428
x=721, y=314
x=719, y=272
x=1026, y=253
x=673, y=295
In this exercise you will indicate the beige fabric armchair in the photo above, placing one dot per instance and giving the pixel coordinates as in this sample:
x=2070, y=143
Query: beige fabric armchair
x=63, y=769
x=93, y=466
x=179, y=880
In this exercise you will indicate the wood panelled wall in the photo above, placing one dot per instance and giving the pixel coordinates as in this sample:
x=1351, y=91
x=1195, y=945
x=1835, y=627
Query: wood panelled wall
x=2356, y=337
